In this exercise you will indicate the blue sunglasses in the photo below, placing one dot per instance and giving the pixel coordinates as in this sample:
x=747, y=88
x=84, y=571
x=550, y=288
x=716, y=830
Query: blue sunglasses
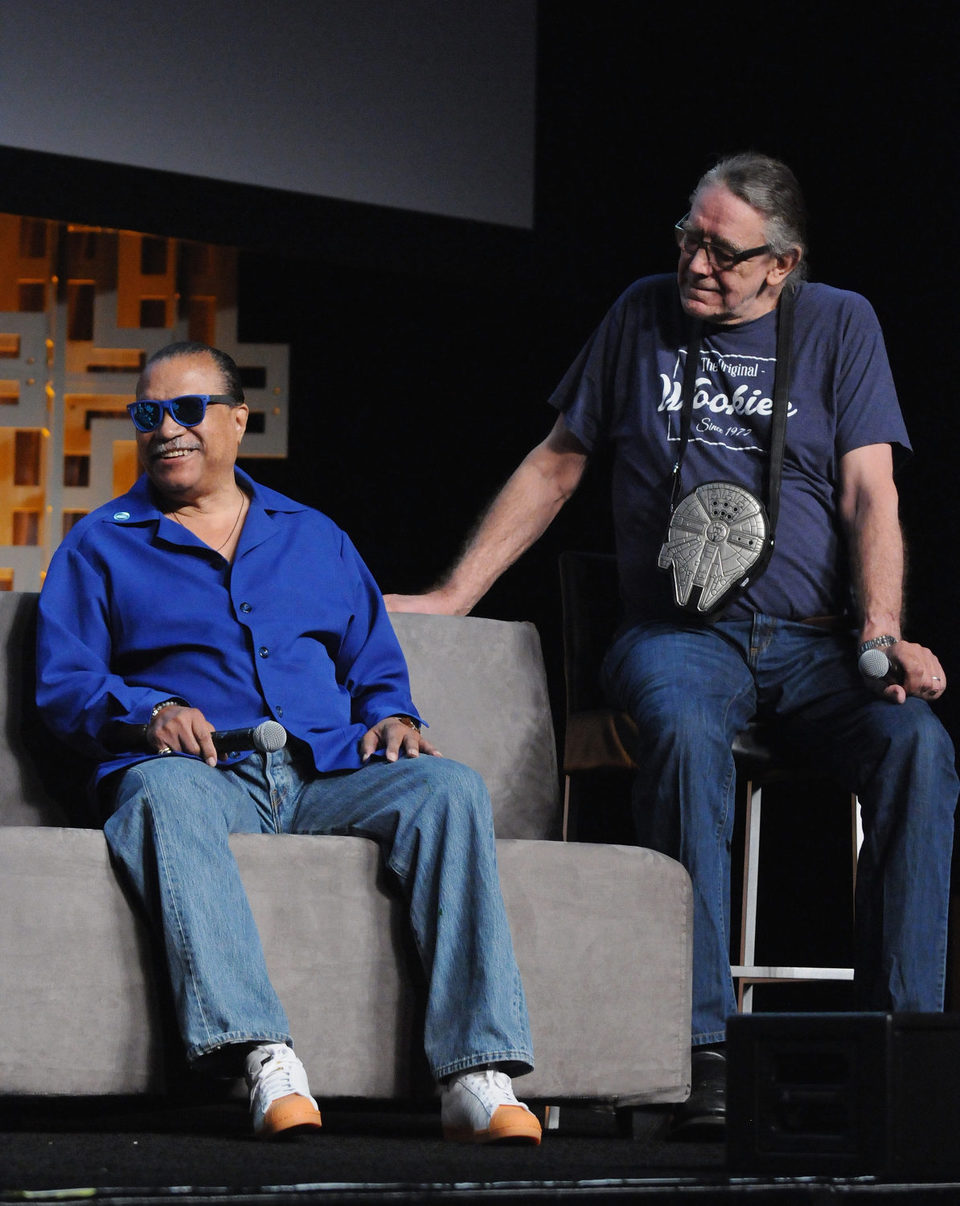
x=187, y=411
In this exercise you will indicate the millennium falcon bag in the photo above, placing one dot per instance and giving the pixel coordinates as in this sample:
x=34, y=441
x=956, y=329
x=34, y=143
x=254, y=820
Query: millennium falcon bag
x=720, y=536
x=719, y=541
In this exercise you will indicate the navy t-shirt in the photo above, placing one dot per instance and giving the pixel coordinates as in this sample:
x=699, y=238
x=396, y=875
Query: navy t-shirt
x=624, y=388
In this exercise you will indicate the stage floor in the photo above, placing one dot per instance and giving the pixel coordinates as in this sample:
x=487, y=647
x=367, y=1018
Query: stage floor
x=131, y=1151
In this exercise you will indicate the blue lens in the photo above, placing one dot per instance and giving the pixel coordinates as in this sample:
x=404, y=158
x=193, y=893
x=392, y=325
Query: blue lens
x=146, y=415
x=189, y=410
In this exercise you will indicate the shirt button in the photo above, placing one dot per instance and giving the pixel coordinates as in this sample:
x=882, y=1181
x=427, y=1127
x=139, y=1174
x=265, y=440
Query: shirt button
x=245, y=607
x=263, y=651
x=279, y=709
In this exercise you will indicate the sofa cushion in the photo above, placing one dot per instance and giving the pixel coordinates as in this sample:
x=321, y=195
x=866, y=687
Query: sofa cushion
x=602, y=936
x=482, y=688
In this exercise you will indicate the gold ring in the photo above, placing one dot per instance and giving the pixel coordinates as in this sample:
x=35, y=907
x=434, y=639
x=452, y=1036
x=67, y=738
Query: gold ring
x=165, y=749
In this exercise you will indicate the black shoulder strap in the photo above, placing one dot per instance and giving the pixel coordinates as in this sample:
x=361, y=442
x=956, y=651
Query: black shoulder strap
x=781, y=390
x=781, y=402
x=694, y=331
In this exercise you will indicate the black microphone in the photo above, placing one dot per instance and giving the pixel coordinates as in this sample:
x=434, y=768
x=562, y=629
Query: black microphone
x=875, y=666
x=267, y=737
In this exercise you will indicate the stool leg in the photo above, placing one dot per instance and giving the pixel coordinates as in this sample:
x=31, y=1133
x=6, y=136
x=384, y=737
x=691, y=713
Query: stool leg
x=748, y=969
x=568, y=828
x=751, y=881
x=856, y=836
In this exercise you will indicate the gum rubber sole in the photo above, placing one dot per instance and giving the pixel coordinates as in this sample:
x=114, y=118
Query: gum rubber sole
x=509, y=1124
x=289, y=1115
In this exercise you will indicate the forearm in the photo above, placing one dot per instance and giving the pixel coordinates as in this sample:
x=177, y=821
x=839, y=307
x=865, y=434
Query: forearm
x=869, y=510
x=877, y=550
x=880, y=562
x=517, y=517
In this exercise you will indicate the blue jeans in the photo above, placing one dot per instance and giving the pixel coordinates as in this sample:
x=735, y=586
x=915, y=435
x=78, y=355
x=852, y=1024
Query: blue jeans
x=432, y=820
x=691, y=689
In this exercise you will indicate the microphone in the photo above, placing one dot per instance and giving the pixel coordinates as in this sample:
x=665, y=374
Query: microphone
x=875, y=666
x=267, y=737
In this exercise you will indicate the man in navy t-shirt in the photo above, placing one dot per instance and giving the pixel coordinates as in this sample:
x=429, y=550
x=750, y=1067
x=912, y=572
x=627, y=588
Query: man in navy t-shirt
x=787, y=645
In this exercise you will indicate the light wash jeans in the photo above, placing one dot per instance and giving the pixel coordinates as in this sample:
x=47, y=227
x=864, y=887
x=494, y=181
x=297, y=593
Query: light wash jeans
x=691, y=689
x=432, y=819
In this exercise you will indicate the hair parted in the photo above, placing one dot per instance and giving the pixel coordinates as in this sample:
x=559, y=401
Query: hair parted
x=771, y=188
x=224, y=362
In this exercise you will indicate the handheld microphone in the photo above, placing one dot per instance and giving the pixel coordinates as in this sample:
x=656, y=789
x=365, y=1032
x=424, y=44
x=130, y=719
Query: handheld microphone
x=267, y=737
x=875, y=666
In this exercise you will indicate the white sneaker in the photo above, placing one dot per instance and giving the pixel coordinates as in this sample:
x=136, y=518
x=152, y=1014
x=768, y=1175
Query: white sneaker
x=480, y=1107
x=280, y=1100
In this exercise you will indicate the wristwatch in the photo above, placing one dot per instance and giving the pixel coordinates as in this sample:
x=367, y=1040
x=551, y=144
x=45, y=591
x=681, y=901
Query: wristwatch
x=880, y=642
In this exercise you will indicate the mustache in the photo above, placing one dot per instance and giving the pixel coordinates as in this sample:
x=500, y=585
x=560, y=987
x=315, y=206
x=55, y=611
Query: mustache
x=178, y=444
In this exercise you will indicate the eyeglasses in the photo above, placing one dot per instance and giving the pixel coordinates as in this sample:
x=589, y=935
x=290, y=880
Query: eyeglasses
x=718, y=256
x=187, y=410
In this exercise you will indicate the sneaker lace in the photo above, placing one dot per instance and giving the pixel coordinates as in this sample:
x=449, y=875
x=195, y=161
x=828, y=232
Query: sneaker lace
x=493, y=1088
x=278, y=1077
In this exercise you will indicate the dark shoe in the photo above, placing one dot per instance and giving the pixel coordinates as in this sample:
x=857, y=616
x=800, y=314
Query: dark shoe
x=703, y=1116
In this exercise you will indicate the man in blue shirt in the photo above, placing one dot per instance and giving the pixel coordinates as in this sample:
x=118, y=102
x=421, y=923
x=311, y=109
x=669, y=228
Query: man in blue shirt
x=201, y=601
x=787, y=645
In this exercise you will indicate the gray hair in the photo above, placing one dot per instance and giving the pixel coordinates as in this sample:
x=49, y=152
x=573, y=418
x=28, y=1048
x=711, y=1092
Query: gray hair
x=770, y=187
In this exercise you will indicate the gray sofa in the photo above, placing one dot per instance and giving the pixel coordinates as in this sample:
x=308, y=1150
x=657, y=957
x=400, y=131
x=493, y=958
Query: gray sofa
x=602, y=932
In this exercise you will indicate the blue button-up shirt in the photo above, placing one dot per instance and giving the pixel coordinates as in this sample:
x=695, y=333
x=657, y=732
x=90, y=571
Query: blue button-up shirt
x=135, y=610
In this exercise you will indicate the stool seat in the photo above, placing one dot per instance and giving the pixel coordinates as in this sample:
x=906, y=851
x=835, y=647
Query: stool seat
x=758, y=754
x=602, y=737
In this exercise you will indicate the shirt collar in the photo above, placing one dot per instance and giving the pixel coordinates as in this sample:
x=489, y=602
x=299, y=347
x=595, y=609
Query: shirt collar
x=138, y=505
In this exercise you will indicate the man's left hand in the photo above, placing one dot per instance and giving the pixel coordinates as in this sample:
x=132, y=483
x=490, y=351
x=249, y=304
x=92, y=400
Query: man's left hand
x=395, y=738
x=919, y=673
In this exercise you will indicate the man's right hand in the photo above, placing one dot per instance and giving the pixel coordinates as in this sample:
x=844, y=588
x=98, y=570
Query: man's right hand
x=175, y=729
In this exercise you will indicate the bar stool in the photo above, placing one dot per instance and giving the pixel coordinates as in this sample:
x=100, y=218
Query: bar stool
x=758, y=764
x=599, y=738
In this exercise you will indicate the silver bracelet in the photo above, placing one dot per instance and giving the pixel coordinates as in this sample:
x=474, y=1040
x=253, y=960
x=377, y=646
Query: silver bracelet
x=182, y=703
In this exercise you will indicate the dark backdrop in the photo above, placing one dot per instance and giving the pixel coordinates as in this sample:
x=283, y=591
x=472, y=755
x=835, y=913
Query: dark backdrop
x=420, y=379
x=422, y=349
